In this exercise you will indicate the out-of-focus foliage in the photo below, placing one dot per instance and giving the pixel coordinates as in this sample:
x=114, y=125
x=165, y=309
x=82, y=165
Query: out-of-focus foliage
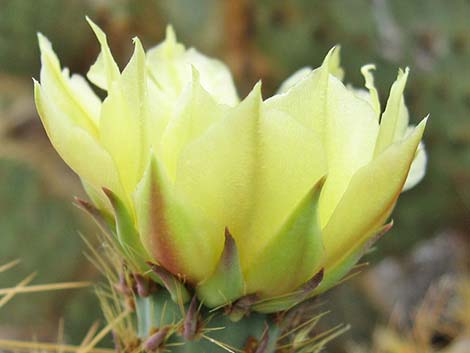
x=440, y=324
x=40, y=229
x=19, y=22
x=390, y=292
x=258, y=39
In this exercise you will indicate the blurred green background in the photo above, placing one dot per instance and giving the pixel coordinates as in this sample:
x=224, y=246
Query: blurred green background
x=258, y=39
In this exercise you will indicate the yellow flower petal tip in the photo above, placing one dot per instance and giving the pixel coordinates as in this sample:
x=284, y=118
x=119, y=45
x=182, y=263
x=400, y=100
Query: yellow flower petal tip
x=170, y=34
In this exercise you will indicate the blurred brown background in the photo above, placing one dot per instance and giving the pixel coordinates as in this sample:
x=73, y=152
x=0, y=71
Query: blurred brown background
x=258, y=39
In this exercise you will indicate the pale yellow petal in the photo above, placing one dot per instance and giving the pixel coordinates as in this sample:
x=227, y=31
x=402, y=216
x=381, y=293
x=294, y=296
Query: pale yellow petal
x=105, y=70
x=195, y=111
x=215, y=77
x=369, y=199
x=63, y=92
x=306, y=100
x=363, y=94
x=217, y=172
x=123, y=119
x=164, y=62
x=76, y=146
x=291, y=160
x=294, y=79
x=161, y=109
x=86, y=96
x=418, y=168
x=369, y=83
x=334, y=65
x=170, y=65
x=394, y=121
x=350, y=135
x=163, y=86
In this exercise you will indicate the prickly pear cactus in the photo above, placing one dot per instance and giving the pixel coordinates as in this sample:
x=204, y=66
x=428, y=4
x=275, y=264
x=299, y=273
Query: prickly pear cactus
x=199, y=330
x=160, y=320
x=166, y=316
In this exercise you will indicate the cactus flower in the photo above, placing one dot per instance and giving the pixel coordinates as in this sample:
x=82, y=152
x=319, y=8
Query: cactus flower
x=234, y=197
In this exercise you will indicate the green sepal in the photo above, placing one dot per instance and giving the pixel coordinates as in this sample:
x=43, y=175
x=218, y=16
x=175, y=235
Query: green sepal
x=177, y=235
x=334, y=275
x=127, y=235
x=226, y=283
x=177, y=290
x=288, y=301
x=293, y=255
x=242, y=307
